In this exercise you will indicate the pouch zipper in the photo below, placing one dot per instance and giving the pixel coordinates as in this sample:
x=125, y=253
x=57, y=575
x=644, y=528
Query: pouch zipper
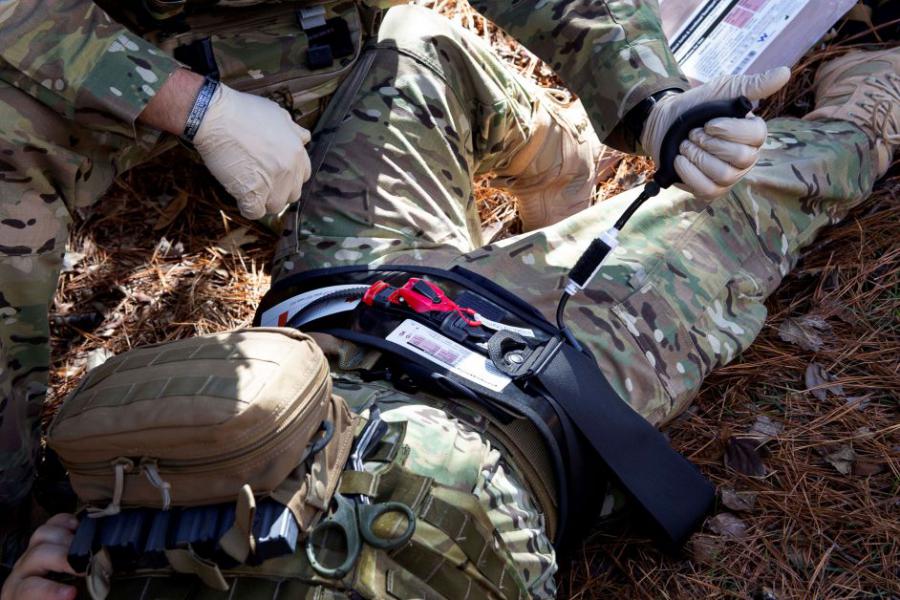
x=229, y=461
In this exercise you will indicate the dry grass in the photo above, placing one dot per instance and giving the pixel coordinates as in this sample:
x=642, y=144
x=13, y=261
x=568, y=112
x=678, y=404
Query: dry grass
x=822, y=522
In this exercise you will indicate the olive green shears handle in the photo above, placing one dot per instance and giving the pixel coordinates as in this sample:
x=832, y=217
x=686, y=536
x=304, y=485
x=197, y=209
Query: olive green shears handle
x=343, y=521
x=367, y=514
x=354, y=521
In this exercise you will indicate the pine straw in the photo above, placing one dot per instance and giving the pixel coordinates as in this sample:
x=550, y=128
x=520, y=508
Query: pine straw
x=812, y=532
x=144, y=295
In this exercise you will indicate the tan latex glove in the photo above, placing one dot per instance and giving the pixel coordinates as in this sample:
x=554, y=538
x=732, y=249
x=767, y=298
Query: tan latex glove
x=717, y=156
x=255, y=150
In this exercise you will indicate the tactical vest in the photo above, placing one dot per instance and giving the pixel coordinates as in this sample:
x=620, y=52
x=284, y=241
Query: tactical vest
x=452, y=553
x=296, y=53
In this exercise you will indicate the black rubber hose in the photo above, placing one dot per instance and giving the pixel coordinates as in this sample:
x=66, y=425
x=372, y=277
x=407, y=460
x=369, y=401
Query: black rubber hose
x=664, y=177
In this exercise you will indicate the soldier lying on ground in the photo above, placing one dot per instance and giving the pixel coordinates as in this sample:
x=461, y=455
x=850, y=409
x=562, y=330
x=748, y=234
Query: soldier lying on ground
x=83, y=99
x=682, y=294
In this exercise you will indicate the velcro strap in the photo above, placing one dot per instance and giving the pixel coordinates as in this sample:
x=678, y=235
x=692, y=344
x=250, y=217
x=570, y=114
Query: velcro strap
x=398, y=484
x=187, y=561
x=434, y=559
x=455, y=515
x=460, y=527
x=388, y=449
x=378, y=576
x=359, y=483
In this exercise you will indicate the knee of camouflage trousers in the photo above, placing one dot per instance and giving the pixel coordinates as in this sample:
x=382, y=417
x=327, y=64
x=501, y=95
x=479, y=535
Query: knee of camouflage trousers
x=436, y=108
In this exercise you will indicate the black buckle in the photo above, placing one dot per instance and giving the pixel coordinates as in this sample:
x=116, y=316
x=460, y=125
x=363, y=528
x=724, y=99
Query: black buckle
x=512, y=354
x=327, y=42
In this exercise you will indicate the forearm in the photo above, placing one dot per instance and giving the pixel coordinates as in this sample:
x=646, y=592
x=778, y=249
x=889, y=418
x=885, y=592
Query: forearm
x=78, y=61
x=168, y=110
x=613, y=54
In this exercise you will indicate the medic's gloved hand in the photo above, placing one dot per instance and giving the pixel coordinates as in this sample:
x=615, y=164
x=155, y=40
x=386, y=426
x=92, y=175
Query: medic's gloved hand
x=255, y=150
x=717, y=156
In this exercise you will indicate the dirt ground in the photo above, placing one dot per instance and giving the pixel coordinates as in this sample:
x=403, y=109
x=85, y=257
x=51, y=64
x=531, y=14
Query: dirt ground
x=800, y=434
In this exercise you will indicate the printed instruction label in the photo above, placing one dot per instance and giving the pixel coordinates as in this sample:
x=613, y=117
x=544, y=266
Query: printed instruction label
x=454, y=357
x=497, y=326
x=723, y=37
x=281, y=313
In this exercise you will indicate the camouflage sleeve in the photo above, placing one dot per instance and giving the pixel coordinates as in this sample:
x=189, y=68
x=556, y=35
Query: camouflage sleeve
x=75, y=59
x=612, y=53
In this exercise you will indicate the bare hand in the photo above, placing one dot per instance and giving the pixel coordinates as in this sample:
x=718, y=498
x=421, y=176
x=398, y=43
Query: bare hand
x=47, y=553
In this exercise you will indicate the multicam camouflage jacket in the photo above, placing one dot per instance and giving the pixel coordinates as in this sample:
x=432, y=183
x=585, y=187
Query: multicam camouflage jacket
x=76, y=58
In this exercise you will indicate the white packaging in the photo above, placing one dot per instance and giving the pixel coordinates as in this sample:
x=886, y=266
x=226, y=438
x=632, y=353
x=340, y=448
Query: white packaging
x=732, y=37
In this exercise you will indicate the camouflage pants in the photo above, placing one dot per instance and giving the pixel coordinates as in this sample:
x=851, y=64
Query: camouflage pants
x=684, y=292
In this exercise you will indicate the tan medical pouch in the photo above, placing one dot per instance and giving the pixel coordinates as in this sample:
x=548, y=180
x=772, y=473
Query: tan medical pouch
x=196, y=421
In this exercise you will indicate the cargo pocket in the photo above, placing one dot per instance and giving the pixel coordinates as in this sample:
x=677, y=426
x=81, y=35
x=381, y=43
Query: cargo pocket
x=686, y=313
x=670, y=295
x=663, y=350
x=294, y=54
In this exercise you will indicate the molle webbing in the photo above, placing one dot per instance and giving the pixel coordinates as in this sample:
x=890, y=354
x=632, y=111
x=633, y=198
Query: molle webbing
x=453, y=551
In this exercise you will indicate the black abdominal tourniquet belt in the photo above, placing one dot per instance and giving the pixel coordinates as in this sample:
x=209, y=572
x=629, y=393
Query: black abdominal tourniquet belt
x=462, y=336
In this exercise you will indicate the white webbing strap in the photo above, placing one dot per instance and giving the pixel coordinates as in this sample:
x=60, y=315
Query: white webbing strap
x=151, y=471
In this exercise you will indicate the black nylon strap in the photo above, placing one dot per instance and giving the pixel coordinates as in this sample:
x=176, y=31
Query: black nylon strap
x=668, y=488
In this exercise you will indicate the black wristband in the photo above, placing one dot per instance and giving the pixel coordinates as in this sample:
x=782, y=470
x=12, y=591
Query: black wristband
x=636, y=117
x=198, y=110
